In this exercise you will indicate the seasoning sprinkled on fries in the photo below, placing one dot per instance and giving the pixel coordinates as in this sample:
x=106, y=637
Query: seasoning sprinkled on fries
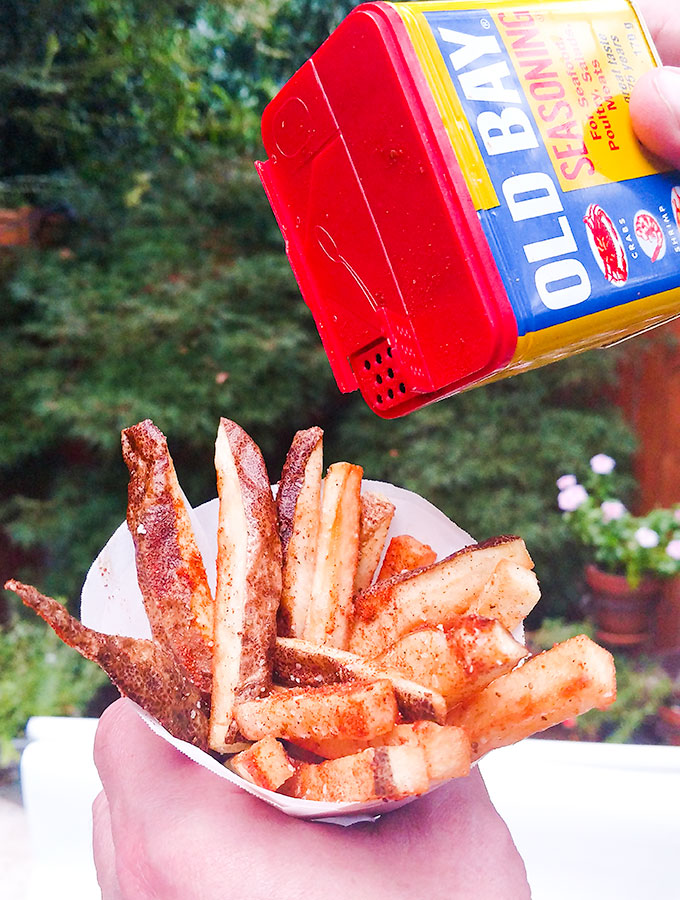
x=335, y=662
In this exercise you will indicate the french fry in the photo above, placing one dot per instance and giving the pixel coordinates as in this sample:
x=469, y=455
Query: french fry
x=336, y=558
x=372, y=774
x=404, y=554
x=145, y=671
x=446, y=747
x=376, y=516
x=429, y=596
x=571, y=678
x=457, y=659
x=170, y=568
x=509, y=595
x=265, y=763
x=397, y=687
x=298, y=505
x=248, y=581
x=308, y=665
x=354, y=710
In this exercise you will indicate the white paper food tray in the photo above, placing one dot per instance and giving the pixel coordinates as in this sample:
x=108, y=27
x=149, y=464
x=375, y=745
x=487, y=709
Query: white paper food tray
x=111, y=602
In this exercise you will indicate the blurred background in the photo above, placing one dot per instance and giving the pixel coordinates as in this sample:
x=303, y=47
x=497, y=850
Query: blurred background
x=142, y=274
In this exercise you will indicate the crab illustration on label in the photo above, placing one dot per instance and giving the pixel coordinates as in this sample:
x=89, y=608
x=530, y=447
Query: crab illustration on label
x=462, y=196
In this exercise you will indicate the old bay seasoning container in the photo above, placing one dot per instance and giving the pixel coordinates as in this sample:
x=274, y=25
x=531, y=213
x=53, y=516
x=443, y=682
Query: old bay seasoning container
x=462, y=195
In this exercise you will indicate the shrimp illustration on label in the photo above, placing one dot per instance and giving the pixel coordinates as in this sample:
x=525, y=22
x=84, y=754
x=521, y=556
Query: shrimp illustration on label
x=675, y=204
x=649, y=234
x=606, y=245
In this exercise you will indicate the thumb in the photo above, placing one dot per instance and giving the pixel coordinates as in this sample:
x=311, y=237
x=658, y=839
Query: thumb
x=655, y=112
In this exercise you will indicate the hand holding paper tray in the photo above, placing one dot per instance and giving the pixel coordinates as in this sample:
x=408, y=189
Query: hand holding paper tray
x=167, y=828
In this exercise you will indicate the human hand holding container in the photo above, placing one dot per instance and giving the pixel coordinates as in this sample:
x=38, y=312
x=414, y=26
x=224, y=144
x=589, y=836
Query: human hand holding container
x=655, y=101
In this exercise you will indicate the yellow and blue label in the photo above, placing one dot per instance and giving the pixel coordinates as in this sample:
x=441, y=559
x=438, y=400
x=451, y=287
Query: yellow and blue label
x=584, y=226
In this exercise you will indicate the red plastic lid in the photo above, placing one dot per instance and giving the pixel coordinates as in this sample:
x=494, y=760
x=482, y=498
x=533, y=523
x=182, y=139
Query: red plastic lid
x=379, y=226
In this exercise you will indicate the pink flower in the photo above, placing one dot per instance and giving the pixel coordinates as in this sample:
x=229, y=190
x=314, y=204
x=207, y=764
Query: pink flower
x=646, y=537
x=572, y=497
x=602, y=464
x=566, y=481
x=611, y=510
x=673, y=549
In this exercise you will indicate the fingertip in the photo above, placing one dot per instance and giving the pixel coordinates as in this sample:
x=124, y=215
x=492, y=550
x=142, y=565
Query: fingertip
x=114, y=713
x=112, y=723
x=124, y=746
x=655, y=112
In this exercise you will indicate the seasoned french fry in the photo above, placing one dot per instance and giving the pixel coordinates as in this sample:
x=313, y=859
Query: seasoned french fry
x=170, y=569
x=397, y=681
x=404, y=554
x=567, y=680
x=145, y=671
x=265, y=763
x=509, y=595
x=336, y=558
x=298, y=503
x=372, y=774
x=446, y=747
x=429, y=596
x=248, y=581
x=354, y=710
x=376, y=516
x=457, y=659
x=308, y=665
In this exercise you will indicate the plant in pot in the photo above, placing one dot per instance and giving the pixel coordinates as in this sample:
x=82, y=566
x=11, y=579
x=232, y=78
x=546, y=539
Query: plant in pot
x=631, y=557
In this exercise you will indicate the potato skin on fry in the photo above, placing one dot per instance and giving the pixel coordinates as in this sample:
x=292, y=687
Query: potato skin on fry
x=170, y=568
x=142, y=670
x=356, y=710
x=298, y=506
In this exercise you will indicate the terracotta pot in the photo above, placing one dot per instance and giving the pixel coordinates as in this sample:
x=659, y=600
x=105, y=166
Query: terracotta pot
x=16, y=226
x=667, y=632
x=624, y=616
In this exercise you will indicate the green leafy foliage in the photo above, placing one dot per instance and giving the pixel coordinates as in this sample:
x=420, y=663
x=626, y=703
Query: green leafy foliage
x=98, y=85
x=161, y=326
x=39, y=676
